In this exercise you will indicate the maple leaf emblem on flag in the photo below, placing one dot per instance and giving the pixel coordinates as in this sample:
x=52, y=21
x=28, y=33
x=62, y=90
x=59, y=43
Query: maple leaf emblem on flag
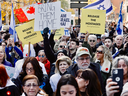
x=31, y=10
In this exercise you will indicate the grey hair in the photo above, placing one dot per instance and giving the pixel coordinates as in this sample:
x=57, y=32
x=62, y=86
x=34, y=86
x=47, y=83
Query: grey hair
x=118, y=36
x=41, y=51
x=116, y=60
x=92, y=36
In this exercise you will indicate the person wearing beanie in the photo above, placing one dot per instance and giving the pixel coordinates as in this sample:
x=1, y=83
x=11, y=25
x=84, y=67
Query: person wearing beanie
x=61, y=53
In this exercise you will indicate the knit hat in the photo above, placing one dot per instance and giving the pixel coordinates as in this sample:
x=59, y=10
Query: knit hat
x=62, y=51
x=82, y=51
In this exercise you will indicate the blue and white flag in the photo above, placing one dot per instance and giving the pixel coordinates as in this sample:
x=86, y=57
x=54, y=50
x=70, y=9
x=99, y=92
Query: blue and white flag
x=101, y=5
x=12, y=26
x=0, y=18
x=119, y=27
x=62, y=10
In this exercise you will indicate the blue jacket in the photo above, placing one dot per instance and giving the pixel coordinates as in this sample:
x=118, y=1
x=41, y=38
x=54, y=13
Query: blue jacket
x=5, y=62
x=10, y=57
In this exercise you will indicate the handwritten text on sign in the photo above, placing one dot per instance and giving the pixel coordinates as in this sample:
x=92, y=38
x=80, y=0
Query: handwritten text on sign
x=47, y=15
x=65, y=19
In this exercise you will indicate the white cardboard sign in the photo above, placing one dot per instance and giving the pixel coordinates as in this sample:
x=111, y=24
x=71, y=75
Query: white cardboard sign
x=65, y=19
x=47, y=15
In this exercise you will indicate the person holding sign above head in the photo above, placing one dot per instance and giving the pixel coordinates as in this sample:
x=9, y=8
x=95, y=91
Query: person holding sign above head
x=48, y=46
x=7, y=87
x=14, y=54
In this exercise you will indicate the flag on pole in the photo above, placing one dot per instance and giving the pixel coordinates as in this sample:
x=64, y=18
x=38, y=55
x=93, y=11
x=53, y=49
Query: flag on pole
x=12, y=26
x=101, y=5
x=25, y=13
x=0, y=18
x=119, y=27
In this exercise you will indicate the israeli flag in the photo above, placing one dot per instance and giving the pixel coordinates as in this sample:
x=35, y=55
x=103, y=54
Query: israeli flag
x=0, y=18
x=119, y=27
x=12, y=26
x=101, y=5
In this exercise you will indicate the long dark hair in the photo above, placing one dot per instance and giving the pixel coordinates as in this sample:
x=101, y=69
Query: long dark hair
x=94, y=87
x=67, y=80
x=36, y=67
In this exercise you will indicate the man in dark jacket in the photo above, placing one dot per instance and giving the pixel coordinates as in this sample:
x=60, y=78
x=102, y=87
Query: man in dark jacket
x=82, y=62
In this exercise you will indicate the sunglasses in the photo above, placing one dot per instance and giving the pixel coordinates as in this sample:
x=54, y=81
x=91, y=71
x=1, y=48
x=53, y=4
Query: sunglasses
x=61, y=46
x=40, y=55
x=99, y=51
x=92, y=40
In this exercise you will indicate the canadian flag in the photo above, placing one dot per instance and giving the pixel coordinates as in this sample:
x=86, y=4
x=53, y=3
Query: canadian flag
x=25, y=13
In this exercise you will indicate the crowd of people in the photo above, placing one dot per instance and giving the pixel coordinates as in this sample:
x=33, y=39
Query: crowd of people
x=77, y=65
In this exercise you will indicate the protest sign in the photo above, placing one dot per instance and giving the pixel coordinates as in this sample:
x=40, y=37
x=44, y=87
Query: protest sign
x=27, y=34
x=59, y=33
x=66, y=32
x=47, y=15
x=65, y=19
x=10, y=71
x=93, y=21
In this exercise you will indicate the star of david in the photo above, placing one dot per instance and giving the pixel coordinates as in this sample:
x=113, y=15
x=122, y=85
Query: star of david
x=101, y=7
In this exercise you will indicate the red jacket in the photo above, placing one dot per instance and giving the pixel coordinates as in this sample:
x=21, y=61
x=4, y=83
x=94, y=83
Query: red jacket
x=47, y=65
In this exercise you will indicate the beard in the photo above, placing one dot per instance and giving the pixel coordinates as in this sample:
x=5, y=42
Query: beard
x=83, y=65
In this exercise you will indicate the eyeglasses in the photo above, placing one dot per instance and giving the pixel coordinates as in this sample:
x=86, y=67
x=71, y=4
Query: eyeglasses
x=31, y=69
x=61, y=46
x=40, y=55
x=33, y=85
x=99, y=51
x=92, y=40
x=82, y=59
